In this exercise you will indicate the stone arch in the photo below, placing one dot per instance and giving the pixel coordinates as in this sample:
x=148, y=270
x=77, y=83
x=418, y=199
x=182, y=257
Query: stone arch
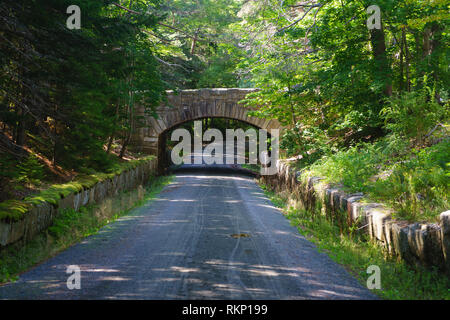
x=188, y=105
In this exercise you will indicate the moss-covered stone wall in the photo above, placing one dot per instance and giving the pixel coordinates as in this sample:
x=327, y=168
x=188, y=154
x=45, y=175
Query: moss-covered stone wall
x=35, y=215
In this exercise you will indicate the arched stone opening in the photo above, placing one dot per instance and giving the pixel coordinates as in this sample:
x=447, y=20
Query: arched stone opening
x=189, y=105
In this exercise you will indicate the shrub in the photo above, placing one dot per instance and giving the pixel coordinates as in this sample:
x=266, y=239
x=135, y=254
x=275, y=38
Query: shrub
x=30, y=170
x=412, y=114
x=309, y=142
x=418, y=188
x=414, y=182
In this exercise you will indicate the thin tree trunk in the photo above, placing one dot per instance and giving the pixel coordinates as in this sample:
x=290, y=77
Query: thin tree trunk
x=407, y=60
x=113, y=133
x=435, y=44
x=110, y=141
x=125, y=143
x=294, y=119
x=401, y=84
x=126, y=140
x=194, y=41
x=431, y=36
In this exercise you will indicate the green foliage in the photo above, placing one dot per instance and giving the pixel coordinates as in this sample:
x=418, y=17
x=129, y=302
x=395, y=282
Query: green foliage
x=69, y=219
x=398, y=280
x=252, y=167
x=8, y=167
x=71, y=97
x=413, y=114
x=356, y=101
x=415, y=183
x=321, y=72
x=418, y=188
x=17, y=175
x=196, y=45
x=321, y=68
x=30, y=170
x=352, y=167
x=310, y=142
x=221, y=69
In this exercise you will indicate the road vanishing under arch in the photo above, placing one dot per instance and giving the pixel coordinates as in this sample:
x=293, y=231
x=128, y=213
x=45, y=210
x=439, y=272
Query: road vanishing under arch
x=188, y=105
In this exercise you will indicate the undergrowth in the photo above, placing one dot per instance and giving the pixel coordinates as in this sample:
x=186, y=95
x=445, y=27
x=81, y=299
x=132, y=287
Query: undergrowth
x=414, y=182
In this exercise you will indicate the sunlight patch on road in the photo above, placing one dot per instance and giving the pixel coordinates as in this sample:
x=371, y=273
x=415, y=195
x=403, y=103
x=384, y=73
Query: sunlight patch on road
x=184, y=270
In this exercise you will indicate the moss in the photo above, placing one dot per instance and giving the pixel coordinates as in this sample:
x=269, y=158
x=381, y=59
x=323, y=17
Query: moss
x=15, y=209
x=50, y=195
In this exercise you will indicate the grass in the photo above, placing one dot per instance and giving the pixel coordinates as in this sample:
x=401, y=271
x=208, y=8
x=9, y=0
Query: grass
x=356, y=253
x=68, y=228
x=251, y=167
x=15, y=209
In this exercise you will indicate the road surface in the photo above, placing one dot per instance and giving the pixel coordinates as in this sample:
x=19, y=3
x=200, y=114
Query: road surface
x=208, y=235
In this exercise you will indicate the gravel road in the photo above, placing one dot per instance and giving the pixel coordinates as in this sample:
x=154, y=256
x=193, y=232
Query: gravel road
x=208, y=235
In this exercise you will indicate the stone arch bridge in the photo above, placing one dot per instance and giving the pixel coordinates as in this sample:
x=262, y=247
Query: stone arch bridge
x=188, y=105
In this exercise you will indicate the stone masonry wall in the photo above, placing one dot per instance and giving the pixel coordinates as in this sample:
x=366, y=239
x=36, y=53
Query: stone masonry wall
x=103, y=193
x=418, y=244
x=187, y=105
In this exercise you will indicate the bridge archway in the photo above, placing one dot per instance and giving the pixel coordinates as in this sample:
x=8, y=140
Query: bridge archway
x=189, y=105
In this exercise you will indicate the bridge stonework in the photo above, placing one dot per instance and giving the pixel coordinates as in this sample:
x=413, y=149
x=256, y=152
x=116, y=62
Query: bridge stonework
x=188, y=105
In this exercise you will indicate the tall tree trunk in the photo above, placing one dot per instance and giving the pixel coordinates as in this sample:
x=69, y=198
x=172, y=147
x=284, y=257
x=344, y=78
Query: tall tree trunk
x=379, y=53
x=426, y=47
x=291, y=105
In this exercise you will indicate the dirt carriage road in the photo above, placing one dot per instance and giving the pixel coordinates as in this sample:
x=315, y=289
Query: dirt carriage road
x=208, y=235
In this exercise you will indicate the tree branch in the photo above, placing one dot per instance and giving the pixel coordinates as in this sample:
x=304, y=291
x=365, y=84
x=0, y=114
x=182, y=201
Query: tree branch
x=302, y=5
x=314, y=23
x=171, y=64
x=160, y=23
x=126, y=9
x=301, y=18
